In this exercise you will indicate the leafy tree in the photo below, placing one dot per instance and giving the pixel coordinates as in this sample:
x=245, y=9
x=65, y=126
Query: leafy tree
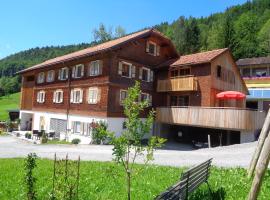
x=264, y=38
x=129, y=146
x=102, y=34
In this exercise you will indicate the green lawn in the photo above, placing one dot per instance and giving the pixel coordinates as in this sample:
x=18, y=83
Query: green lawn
x=105, y=180
x=7, y=103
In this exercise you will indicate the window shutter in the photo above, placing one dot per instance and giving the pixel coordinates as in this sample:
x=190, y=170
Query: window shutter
x=158, y=50
x=81, y=96
x=147, y=47
x=140, y=73
x=59, y=74
x=120, y=68
x=67, y=72
x=73, y=72
x=82, y=71
x=61, y=96
x=38, y=97
x=151, y=76
x=54, y=96
x=43, y=100
x=98, y=95
x=100, y=66
x=150, y=99
x=72, y=126
x=71, y=96
x=133, y=71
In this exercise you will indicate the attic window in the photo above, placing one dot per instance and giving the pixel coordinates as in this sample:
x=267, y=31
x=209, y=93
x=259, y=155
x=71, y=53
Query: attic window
x=218, y=71
x=152, y=48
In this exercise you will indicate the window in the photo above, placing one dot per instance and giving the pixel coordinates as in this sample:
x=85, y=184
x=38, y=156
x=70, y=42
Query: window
x=77, y=127
x=63, y=74
x=179, y=101
x=78, y=71
x=146, y=97
x=93, y=95
x=41, y=77
x=246, y=72
x=152, y=48
x=146, y=74
x=123, y=96
x=259, y=72
x=184, y=72
x=218, y=71
x=174, y=73
x=95, y=68
x=41, y=96
x=58, y=96
x=76, y=96
x=126, y=69
x=50, y=76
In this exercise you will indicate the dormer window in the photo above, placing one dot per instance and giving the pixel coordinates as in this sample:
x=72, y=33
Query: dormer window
x=63, y=74
x=41, y=77
x=78, y=71
x=152, y=48
x=50, y=76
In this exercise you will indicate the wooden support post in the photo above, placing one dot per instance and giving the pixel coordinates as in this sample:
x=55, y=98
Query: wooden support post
x=209, y=141
x=259, y=147
x=260, y=170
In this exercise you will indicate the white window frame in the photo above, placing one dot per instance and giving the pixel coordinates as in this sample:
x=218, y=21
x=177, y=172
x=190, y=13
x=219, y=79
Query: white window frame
x=148, y=98
x=95, y=68
x=120, y=96
x=73, y=98
x=94, y=97
x=55, y=96
x=41, y=77
x=75, y=71
x=61, y=72
x=150, y=74
x=41, y=96
x=74, y=131
x=156, y=48
x=50, y=76
x=132, y=69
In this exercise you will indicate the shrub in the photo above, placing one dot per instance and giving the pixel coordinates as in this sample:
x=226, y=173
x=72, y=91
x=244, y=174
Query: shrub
x=100, y=133
x=28, y=135
x=76, y=141
x=44, y=138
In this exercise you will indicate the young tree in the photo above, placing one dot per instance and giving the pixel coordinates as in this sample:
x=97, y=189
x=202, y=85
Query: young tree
x=129, y=146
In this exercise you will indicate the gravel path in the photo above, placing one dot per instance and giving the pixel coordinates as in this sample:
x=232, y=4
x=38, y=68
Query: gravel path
x=228, y=156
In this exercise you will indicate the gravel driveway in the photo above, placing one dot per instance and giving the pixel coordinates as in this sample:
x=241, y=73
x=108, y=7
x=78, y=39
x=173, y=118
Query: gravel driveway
x=227, y=156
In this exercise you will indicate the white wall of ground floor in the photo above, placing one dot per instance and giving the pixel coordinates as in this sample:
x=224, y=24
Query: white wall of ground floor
x=41, y=121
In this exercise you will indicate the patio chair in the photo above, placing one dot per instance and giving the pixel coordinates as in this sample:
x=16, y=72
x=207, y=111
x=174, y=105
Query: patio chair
x=35, y=133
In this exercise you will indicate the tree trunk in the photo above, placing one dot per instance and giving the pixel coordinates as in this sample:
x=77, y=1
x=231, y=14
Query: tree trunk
x=260, y=170
x=259, y=147
x=128, y=184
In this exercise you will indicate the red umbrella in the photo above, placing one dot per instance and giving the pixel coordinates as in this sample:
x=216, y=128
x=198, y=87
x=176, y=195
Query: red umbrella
x=231, y=95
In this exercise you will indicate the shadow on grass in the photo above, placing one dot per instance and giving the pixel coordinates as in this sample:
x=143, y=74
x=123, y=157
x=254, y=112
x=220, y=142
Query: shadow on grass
x=205, y=194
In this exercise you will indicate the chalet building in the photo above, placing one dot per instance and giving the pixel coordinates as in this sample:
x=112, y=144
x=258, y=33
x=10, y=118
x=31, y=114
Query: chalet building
x=256, y=74
x=69, y=93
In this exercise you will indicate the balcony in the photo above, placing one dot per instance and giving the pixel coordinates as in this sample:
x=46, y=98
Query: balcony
x=187, y=83
x=212, y=117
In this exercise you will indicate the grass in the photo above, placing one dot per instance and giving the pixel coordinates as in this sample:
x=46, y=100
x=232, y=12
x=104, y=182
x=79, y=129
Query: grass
x=7, y=103
x=106, y=180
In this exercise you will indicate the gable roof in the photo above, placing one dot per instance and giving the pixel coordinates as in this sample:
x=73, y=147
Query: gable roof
x=106, y=46
x=198, y=58
x=253, y=61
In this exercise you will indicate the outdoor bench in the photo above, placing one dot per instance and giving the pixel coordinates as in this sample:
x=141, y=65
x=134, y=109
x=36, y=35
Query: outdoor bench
x=189, y=181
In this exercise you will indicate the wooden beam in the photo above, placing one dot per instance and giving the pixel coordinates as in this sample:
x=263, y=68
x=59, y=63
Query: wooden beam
x=260, y=170
x=259, y=147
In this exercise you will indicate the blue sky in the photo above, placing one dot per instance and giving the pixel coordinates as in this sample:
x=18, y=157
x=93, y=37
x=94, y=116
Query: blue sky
x=31, y=23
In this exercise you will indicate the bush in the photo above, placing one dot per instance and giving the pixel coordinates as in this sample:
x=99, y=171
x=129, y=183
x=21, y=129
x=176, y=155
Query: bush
x=76, y=141
x=44, y=138
x=28, y=135
x=100, y=133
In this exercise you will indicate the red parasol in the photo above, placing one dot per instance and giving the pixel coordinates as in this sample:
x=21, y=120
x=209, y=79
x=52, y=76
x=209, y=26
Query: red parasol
x=231, y=95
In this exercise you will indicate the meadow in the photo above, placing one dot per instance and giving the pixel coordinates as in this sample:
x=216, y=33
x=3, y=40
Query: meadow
x=8, y=102
x=106, y=180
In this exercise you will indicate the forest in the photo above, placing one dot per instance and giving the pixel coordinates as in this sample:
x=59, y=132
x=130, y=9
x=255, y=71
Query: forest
x=245, y=29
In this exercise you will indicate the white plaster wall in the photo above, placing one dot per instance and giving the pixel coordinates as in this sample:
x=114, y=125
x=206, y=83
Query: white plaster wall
x=246, y=137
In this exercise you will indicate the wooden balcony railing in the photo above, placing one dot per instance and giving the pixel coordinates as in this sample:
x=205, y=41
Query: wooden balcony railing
x=187, y=83
x=212, y=117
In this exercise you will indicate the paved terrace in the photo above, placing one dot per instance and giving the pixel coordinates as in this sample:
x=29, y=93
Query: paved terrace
x=227, y=156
